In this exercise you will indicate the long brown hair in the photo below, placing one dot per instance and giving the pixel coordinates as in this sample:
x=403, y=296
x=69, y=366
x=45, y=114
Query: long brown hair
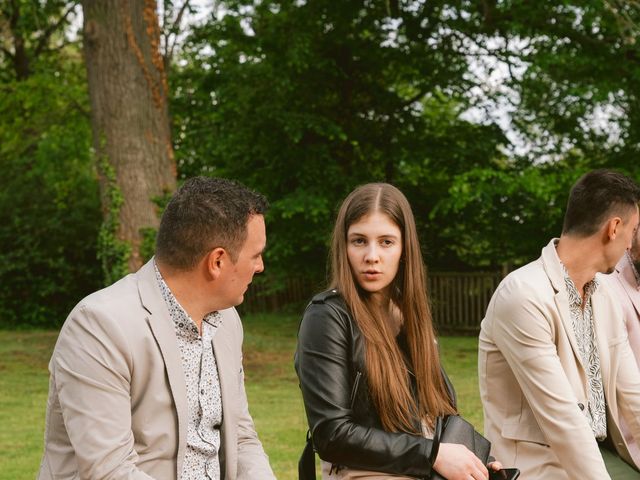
x=388, y=376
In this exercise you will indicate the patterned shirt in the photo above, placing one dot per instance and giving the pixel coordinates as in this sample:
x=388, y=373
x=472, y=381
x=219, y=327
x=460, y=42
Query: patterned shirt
x=582, y=319
x=204, y=402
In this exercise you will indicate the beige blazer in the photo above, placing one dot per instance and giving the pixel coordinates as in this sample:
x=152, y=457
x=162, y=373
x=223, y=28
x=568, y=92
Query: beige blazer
x=623, y=283
x=533, y=382
x=117, y=406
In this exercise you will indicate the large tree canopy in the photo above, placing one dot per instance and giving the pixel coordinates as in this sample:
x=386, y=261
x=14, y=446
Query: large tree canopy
x=483, y=113
x=305, y=100
x=49, y=204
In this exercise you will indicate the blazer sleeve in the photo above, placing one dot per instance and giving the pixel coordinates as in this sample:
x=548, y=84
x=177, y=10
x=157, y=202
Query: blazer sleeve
x=322, y=360
x=91, y=367
x=253, y=463
x=524, y=333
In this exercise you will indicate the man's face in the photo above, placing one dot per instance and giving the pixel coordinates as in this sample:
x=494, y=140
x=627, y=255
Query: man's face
x=635, y=249
x=626, y=230
x=239, y=274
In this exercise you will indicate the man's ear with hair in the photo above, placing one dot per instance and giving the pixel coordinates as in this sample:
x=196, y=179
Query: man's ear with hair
x=216, y=260
x=612, y=228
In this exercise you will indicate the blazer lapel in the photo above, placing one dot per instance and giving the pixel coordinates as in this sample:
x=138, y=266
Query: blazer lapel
x=163, y=330
x=228, y=375
x=555, y=272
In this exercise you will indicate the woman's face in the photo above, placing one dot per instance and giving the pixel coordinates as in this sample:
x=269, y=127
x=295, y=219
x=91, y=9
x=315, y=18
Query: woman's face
x=374, y=248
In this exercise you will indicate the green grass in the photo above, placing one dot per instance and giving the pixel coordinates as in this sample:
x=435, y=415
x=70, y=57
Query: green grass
x=272, y=387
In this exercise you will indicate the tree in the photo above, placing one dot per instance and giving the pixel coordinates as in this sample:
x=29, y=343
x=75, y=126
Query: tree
x=580, y=80
x=31, y=32
x=129, y=116
x=305, y=100
x=49, y=202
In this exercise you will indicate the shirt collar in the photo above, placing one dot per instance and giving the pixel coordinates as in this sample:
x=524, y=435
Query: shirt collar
x=183, y=322
x=575, y=298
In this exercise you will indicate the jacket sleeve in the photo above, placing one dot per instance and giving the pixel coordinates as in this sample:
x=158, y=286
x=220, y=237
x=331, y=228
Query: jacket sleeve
x=91, y=371
x=523, y=332
x=322, y=364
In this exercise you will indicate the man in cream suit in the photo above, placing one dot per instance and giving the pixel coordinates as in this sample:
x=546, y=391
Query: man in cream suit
x=625, y=282
x=555, y=367
x=146, y=377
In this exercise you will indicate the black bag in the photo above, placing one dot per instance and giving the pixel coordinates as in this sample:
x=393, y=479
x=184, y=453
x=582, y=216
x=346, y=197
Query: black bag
x=455, y=429
x=307, y=462
x=451, y=429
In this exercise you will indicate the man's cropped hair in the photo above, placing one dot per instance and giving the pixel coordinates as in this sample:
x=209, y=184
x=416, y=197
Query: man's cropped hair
x=596, y=197
x=203, y=214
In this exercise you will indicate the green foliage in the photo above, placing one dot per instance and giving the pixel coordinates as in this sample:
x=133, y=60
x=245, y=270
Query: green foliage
x=148, y=244
x=506, y=214
x=49, y=202
x=33, y=34
x=113, y=253
x=305, y=100
x=582, y=64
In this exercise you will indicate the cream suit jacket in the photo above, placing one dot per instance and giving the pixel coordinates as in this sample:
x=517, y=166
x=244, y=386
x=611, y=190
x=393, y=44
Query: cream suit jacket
x=533, y=383
x=117, y=406
x=623, y=283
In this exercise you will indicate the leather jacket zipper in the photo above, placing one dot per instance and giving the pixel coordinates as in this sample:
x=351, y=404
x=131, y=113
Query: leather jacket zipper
x=354, y=390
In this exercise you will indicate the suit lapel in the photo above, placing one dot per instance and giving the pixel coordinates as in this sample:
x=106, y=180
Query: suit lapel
x=555, y=272
x=164, y=332
x=228, y=374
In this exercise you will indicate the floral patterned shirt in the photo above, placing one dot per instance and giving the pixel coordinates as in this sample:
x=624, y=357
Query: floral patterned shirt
x=204, y=401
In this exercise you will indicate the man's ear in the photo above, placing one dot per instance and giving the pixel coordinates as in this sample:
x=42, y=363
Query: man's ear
x=216, y=261
x=613, y=227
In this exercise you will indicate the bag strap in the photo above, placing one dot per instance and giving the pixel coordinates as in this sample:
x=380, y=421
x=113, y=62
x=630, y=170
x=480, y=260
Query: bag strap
x=307, y=462
x=435, y=443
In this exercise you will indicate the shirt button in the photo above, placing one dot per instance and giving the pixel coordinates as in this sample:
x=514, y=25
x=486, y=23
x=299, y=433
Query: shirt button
x=581, y=406
x=202, y=391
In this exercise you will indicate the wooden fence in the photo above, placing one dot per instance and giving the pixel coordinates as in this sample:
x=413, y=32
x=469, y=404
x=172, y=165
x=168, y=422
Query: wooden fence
x=459, y=300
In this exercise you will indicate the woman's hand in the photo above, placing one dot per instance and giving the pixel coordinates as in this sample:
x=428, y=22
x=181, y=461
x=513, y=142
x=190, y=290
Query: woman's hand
x=457, y=462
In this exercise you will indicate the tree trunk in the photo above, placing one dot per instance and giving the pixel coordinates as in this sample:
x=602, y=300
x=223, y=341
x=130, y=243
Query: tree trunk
x=129, y=115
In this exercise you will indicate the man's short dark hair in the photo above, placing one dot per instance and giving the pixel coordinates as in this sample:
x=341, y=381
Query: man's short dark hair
x=203, y=214
x=596, y=197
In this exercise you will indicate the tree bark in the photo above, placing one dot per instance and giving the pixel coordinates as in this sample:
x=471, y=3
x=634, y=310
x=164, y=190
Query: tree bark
x=129, y=114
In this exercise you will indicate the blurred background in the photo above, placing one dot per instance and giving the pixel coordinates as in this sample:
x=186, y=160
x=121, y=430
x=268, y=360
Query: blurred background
x=482, y=112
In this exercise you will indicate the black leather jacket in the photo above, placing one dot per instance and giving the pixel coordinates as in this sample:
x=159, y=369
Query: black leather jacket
x=345, y=427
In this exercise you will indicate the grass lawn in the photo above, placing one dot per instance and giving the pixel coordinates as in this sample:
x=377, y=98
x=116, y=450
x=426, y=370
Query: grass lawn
x=271, y=384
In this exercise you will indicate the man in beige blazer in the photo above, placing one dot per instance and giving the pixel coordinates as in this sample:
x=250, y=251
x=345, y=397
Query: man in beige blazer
x=555, y=367
x=625, y=283
x=124, y=401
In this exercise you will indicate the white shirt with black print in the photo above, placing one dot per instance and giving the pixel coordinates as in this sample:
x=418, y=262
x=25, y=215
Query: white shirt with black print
x=204, y=401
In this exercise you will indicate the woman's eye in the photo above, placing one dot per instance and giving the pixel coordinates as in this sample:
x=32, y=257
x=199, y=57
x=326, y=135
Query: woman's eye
x=358, y=241
x=387, y=243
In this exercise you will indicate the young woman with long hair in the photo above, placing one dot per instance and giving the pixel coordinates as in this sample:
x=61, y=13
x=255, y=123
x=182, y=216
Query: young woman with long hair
x=367, y=356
